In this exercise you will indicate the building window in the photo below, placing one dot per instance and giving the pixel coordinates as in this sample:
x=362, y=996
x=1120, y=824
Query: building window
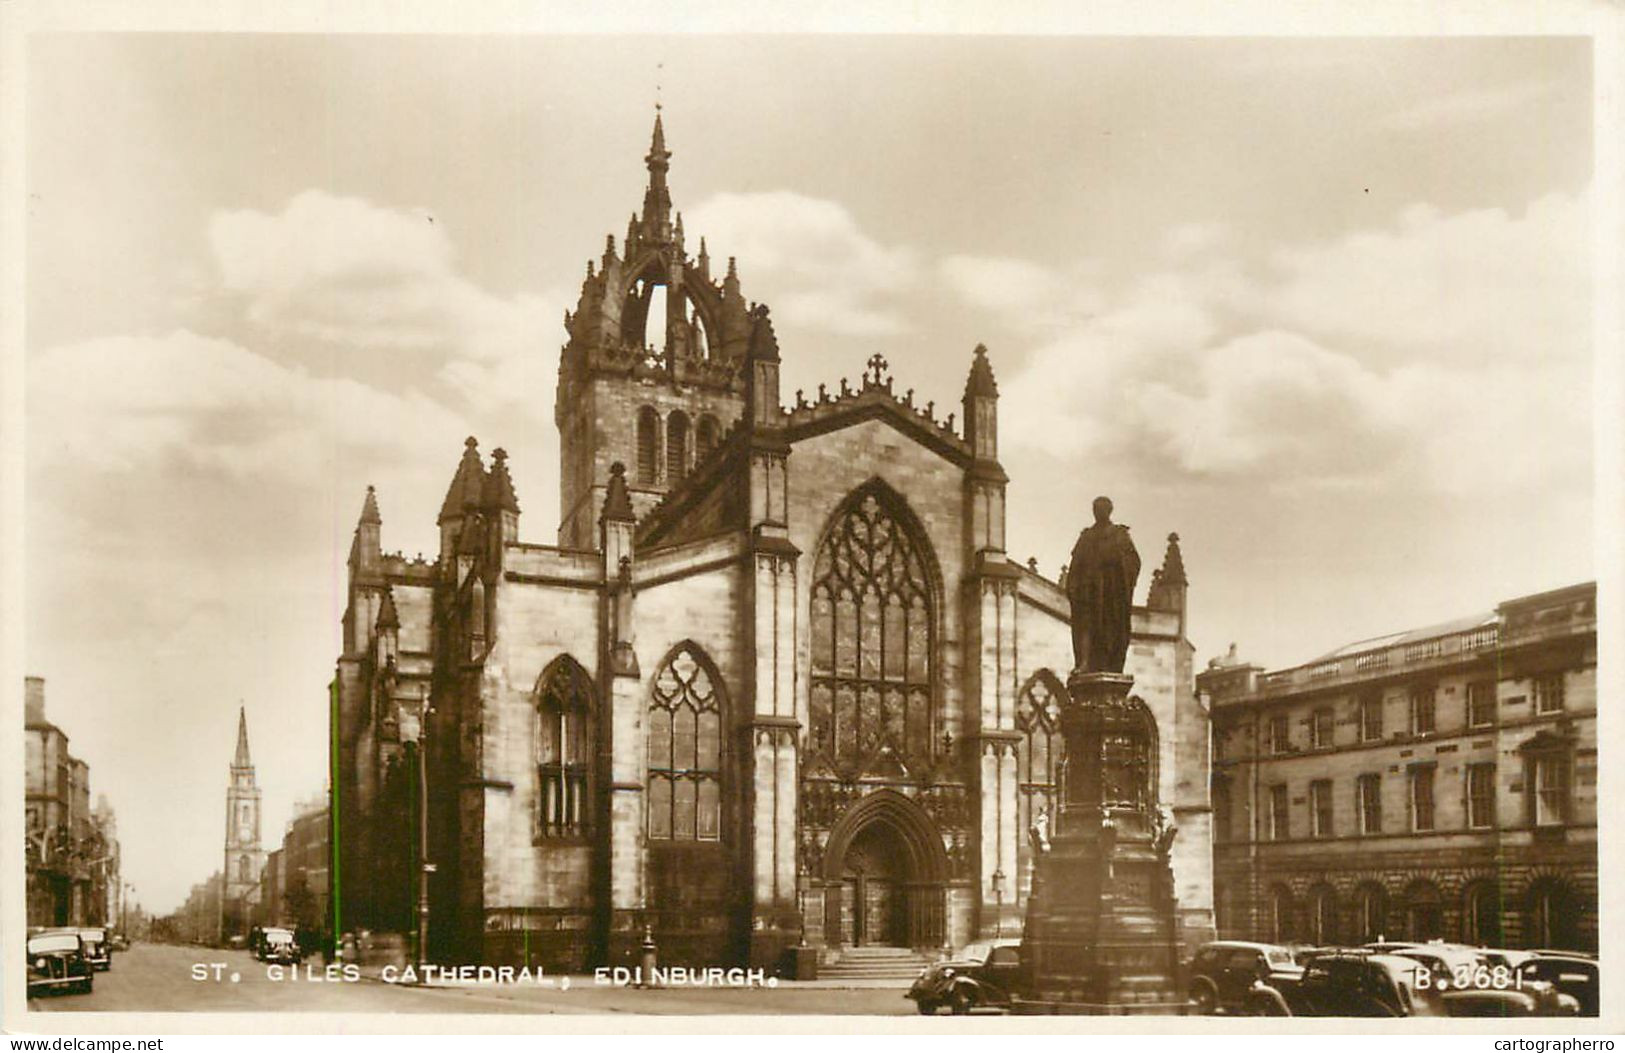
x=1038, y=755
x=1320, y=729
x=1551, y=780
x=1280, y=825
x=1370, y=912
x=1481, y=913
x=648, y=446
x=1422, y=711
x=1320, y=807
x=872, y=615
x=1424, y=911
x=563, y=748
x=1481, y=795
x=685, y=751
x=1280, y=734
x=1421, y=779
x=1549, y=693
x=1280, y=919
x=676, y=447
x=1370, y=718
x=706, y=434
x=1322, y=915
x=1368, y=791
x=1551, y=918
x=1481, y=704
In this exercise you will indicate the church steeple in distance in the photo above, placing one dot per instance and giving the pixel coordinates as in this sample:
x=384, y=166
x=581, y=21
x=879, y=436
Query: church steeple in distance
x=244, y=858
x=242, y=759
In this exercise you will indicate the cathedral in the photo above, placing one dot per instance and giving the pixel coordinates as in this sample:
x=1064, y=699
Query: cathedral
x=775, y=683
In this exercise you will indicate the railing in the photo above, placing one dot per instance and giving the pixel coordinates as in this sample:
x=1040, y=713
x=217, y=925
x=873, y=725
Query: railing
x=1382, y=659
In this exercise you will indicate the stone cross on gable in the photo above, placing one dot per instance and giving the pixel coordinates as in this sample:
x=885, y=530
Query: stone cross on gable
x=877, y=369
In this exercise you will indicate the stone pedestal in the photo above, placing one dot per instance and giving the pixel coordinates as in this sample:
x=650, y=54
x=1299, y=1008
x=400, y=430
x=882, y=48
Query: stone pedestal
x=1101, y=934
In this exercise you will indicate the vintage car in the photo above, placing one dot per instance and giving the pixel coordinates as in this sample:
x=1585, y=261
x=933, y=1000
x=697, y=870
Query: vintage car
x=982, y=975
x=57, y=962
x=1363, y=983
x=1223, y=972
x=278, y=945
x=97, y=948
x=1572, y=975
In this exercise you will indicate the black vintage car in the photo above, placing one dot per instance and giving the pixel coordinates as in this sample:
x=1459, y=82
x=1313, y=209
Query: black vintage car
x=982, y=975
x=1224, y=972
x=1360, y=983
x=278, y=946
x=57, y=962
x=97, y=948
x=1573, y=975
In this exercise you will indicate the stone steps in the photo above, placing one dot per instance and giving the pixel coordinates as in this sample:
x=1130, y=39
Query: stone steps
x=874, y=963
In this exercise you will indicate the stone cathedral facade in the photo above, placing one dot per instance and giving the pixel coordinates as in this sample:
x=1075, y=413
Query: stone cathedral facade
x=775, y=679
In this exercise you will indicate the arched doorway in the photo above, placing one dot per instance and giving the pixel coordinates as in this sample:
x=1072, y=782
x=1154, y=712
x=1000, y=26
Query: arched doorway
x=885, y=875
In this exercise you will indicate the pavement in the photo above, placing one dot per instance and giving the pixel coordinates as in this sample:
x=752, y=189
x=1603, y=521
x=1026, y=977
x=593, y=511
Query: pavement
x=168, y=978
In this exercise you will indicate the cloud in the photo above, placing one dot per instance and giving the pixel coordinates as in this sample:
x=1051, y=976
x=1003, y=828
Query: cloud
x=346, y=272
x=1463, y=107
x=809, y=258
x=1446, y=353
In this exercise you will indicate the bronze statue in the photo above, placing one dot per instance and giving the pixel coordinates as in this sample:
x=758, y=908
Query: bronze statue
x=1100, y=585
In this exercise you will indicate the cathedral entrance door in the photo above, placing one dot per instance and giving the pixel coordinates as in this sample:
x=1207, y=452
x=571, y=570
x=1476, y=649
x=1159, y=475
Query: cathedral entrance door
x=872, y=864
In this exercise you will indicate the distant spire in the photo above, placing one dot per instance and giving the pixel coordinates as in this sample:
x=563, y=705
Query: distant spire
x=1173, y=563
x=467, y=484
x=617, y=502
x=980, y=381
x=657, y=199
x=242, y=760
x=369, y=509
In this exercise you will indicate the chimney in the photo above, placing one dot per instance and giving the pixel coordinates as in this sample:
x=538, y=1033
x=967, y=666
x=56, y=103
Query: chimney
x=34, y=700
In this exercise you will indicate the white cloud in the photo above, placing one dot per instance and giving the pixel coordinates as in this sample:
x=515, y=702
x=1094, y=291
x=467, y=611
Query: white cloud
x=1447, y=353
x=346, y=272
x=808, y=258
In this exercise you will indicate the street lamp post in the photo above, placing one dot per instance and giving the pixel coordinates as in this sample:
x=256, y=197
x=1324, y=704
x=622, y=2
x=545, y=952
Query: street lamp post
x=998, y=896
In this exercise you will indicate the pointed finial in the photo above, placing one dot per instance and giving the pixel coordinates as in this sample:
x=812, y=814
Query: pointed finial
x=1173, y=563
x=980, y=382
x=369, y=508
x=617, y=501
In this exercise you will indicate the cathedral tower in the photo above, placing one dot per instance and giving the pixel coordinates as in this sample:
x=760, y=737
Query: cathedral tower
x=653, y=372
x=244, y=857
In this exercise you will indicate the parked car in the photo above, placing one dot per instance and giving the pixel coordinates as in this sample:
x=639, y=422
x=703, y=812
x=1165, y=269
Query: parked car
x=56, y=961
x=97, y=949
x=119, y=942
x=278, y=945
x=1223, y=972
x=1572, y=975
x=983, y=974
x=1350, y=983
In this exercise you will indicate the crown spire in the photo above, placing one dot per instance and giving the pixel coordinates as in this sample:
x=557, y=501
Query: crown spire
x=657, y=198
x=242, y=760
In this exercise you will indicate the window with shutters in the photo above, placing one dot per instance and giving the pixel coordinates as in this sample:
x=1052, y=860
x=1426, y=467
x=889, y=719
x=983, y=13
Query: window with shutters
x=685, y=750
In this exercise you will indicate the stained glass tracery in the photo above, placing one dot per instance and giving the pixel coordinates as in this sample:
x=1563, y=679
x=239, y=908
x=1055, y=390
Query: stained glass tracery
x=872, y=607
x=685, y=752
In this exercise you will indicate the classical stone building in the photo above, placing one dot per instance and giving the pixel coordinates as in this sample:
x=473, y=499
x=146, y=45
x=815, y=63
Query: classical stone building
x=776, y=678
x=244, y=858
x=72, y=851
x=1434, y=783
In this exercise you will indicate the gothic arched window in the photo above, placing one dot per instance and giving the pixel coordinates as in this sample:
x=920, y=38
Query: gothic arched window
x=1038, y=759
x=685, y=750
x=676, y=447
x=648, y=446
x=705, y=437
x=872, y=611
x=563, y=748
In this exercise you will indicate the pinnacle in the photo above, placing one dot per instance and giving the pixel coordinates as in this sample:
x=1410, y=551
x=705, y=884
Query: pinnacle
x=466, y=485
x=1173, y=563
x=242, y=759
x=618, y=502
x=980, y=381
x=388, y=617
x=369, y=509
x=497, y=491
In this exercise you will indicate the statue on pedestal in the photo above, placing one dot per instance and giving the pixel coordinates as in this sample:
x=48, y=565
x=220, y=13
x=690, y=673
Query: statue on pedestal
x=1100, y=586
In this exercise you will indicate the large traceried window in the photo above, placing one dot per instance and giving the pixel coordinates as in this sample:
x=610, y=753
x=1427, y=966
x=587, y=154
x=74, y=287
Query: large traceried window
x=1038, y=755
x=685, y=751
x=563, y=749
x=872, y=609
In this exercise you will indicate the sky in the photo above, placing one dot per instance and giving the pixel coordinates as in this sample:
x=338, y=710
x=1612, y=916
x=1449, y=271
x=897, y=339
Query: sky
x=1319, y=305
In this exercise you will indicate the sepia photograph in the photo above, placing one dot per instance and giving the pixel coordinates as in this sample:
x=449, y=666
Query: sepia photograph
x=807, y=524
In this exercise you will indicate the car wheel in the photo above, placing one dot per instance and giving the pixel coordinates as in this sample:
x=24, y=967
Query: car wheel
x=1204, y=998
x=926, y=1008
x=961, y=1002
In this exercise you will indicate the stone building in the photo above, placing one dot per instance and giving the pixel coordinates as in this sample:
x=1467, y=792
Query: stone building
x=244, y=858
x=294, y=881
x=776, y=678
x=72, y=851
x=1434, y=783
